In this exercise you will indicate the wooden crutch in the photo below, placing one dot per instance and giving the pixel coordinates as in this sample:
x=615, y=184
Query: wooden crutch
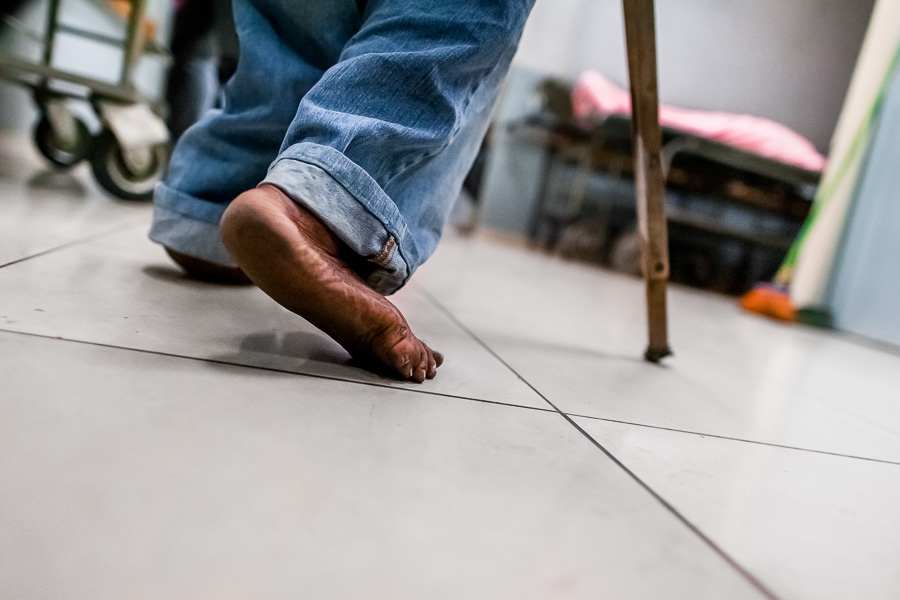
x=640, y=36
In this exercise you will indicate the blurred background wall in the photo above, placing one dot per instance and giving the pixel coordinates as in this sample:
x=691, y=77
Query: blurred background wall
x=80, y=56
x=787, y=60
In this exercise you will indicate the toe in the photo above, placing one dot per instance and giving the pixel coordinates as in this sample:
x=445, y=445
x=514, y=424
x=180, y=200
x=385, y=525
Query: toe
x=432, y=364
x=421, y=370
x=398, y=350
x=437, y=356
x=404, y=363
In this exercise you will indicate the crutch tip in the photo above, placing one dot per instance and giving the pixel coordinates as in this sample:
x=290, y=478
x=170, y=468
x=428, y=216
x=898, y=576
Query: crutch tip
x=655, y=355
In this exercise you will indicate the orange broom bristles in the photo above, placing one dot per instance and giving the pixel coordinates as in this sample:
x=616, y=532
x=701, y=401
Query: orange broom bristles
x=770, y=300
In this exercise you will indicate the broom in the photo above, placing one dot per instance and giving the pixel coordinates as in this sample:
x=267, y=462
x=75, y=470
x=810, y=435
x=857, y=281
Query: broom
x=773, y=299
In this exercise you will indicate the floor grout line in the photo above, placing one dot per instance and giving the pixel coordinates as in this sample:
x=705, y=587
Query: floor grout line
x=453, y=318
x=660, y=427
x=735, y=439
x=273, y=370
x=111, y=230
x=684, y=520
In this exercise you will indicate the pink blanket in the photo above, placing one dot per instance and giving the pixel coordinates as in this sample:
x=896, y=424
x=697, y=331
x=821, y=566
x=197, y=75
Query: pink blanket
x=594, y=95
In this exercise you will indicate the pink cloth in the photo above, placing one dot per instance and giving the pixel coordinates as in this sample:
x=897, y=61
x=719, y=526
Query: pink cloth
x=594, y=95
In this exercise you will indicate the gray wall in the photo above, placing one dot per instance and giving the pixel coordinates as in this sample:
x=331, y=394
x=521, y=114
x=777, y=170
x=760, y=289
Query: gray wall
x=788, y=60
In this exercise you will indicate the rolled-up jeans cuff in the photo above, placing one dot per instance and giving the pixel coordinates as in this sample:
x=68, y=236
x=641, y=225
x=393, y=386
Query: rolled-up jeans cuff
x=189, y=225
x=352, y=205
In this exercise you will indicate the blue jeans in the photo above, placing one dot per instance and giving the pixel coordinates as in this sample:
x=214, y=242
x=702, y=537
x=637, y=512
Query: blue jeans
x=368, y=113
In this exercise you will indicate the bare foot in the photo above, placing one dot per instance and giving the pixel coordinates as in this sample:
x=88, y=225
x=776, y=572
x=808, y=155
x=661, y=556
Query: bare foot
x=202, y=270
x=294, y=258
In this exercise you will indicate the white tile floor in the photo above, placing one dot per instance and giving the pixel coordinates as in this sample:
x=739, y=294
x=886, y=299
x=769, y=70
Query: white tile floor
x=164, y=439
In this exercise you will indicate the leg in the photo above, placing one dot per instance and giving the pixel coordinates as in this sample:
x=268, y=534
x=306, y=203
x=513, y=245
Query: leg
x=10, y=7
x=229, y=150
x=191, y=84
x=368, y=170
x=380, y=146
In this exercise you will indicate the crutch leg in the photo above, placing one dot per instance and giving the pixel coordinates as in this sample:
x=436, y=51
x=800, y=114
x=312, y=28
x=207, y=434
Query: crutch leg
x=640, y=34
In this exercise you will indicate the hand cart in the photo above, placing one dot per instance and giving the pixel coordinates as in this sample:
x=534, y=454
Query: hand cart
x=130, y=153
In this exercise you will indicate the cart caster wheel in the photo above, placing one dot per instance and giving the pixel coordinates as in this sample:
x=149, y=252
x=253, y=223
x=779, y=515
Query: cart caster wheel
x=64, y=154
x=130, y=177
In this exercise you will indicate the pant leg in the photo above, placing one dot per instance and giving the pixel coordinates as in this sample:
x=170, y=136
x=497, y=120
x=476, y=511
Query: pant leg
x=381, y=144
x=285, y=47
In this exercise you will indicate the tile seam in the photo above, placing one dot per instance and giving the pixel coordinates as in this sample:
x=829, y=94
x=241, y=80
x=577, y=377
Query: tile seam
x=751, y=579
x=735, y=439
x=94, y=236
x=272, y=370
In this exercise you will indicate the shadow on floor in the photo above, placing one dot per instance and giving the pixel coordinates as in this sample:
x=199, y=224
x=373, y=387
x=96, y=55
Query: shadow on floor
x=59, y=182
